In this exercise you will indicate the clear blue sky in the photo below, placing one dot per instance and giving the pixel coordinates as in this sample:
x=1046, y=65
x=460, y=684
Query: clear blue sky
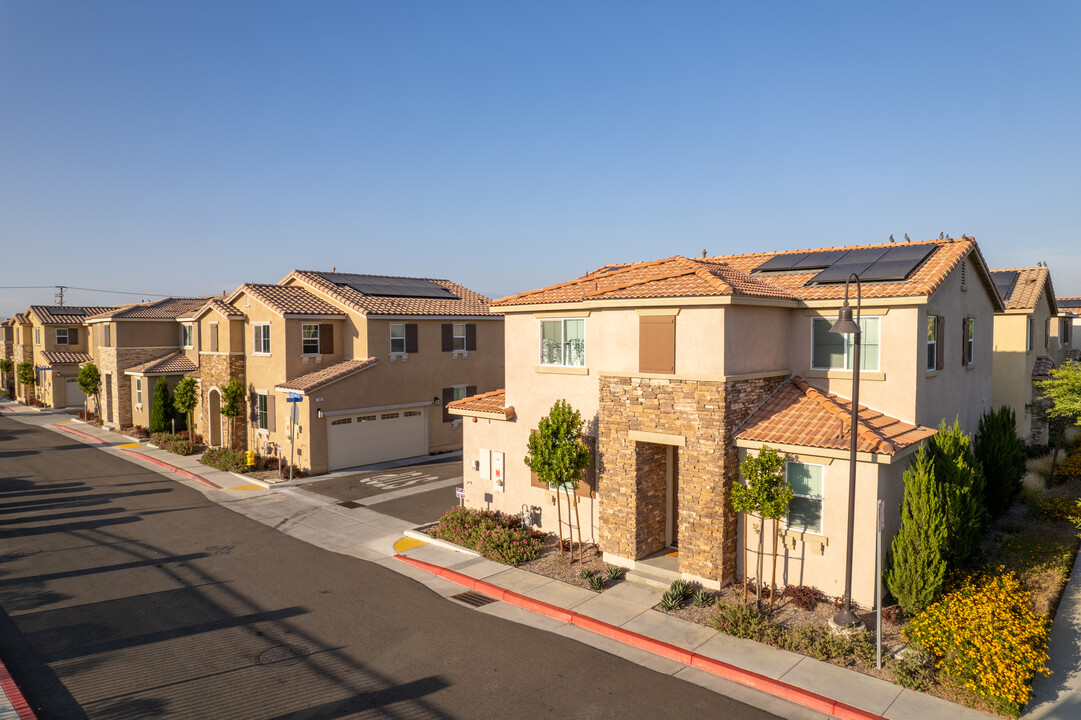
x=187, y=147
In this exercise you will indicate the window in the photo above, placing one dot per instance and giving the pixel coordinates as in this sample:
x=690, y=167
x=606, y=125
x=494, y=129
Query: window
x=412, y=413
x=805, y=510
x=459, y=337
x=365, y=418
x=309, y=339
x=61, y=336
x=934, y=342
x=397, y=337
x=563, y=342
x=1030, y=325
x=832, y=351
x=187, y=332
x=37, y=336
x=342, y=421
x=389, y=416
x=108, y=335
x=262, y=410
x=458, y=342
x=262, y=339
x=968, y=334
x=1047, y=334
x=138, y=391
x=456, y=392
x=1064, y=333
x=213, y=337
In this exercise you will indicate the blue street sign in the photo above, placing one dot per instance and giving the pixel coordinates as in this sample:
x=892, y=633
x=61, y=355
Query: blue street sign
x=294, y=398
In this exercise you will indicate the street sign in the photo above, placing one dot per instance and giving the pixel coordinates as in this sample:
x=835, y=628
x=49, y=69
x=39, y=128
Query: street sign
x=459, y=493
x=294, y=398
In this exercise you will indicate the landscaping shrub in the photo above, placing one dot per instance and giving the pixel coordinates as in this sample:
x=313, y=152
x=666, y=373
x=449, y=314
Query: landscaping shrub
x=742, y=621
x=916, y=564
x=138, y=431
x=960, y=482
x=173, y=443
x=985, y=637
x=1001, y=455
x=198, y=439
x=913, y=671
x=1069, y=468
x=161, y=409
x=804, y=596
x=225, y=459
x=494, y=535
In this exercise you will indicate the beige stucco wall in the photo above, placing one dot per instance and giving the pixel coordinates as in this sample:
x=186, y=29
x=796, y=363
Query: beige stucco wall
x=1013, y=360
x=757, y=339
x=140, y=414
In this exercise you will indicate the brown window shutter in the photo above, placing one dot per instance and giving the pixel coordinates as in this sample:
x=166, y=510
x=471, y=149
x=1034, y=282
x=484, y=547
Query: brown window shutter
x=448, y=396
x=940, y=344
x=326, y=339
x=448, y=337
x=214, y=337
x=587, y=486
x=73, y=336
x=411, y=342
x=657, y=344
x=534, y=479
x=470, y=390
x=270, y=412
x=471, y=336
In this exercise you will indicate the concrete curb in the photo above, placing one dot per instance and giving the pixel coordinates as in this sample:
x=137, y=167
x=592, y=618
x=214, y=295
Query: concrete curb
x=777, y=688
x=418, y=535
x=80, y=433
x=15, y=696
x=172, y=468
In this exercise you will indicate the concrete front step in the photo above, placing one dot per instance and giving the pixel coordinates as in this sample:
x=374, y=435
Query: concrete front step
x=651, y=577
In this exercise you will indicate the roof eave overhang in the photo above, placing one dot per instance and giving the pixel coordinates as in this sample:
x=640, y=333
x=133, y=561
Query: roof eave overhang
x=874, y=458
x=506, y=414
x=320, y=386
x=623, y=303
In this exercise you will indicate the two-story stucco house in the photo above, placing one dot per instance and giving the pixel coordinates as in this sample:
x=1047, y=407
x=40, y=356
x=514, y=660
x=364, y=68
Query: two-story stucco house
x=680, y=367
x=59, y=347
x=1030, y=340
x=368, y=362
x=7, y=352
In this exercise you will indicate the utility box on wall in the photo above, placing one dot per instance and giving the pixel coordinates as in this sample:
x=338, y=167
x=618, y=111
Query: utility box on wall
x=484, y=464
x=497, y=472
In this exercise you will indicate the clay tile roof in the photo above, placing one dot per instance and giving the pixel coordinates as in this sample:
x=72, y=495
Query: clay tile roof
x=64, y=315
x=671, y=277
x=1068, y=302
x=490, y=404
x=171, y=364
x=222, y=308
x=165, y=309
x=290, y=299
x=1026, y=290
x=798, y=414
x=466, y=302
x=1043, y=367
x=63, y=358
x=327, y=375
x=20, y=318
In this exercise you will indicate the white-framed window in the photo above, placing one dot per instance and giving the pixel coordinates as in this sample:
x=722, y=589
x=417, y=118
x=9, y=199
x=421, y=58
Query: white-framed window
x=1030, y=330
x=309, y=334
x=261, y=410
x=397, y=338
x=459, y=391
x=563, y=342
x=108, y=335
x=1047, y=334
x=933, y=340
x=261, y=338
x=1064, y=333
x=139, y=391
x=807, y=483
x=37, y=336
x=833, y=351
x=968, y=336
x=187, y=333
x=61, y=336
x=458, y=336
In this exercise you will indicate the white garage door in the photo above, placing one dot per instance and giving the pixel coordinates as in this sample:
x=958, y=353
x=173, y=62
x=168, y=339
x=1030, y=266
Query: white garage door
x=75, y=396
x=374, y=437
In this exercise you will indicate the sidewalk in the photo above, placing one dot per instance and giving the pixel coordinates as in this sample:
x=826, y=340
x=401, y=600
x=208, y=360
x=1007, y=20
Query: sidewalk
x=620, y=620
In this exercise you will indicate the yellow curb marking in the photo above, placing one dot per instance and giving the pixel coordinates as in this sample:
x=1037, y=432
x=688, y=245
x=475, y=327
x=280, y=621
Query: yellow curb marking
x=407, y=543
x=130, y=445
x=248, y=487
x=64, y=422
x=674, y=553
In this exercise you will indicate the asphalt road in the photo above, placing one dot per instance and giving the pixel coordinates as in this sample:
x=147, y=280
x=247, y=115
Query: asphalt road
x=128, y=595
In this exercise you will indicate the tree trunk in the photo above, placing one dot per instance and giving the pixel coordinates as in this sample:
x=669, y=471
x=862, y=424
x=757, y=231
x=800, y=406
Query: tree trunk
x=773, y=579
x=746, y=556
x=578, y=523
x=559, y=522
x=758, y=563
x=570, y=530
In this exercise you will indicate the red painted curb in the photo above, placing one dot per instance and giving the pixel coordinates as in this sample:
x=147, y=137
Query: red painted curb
x=173, y=468
x=15, y=696
x=778, y=688
x=81, y=434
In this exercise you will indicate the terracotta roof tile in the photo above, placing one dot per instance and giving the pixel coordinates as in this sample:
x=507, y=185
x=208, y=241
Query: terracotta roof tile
x=289, y=299
x=222, y=308
x=20, y=318
x=171, y=364
x=732, y=275
x=1042, y=367
x=327, y=375
x=1027, y=289
x=798, y=414
x=64, y=315
x=65, y=358
x=492, y=403
x=468, y=302
x=165, y=309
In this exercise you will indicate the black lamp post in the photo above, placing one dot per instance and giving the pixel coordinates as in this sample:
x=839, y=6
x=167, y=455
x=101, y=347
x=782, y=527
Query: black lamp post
x=845, y=325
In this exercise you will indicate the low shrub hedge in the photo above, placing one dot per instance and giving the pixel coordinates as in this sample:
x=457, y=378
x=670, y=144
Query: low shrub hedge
x=819, y=642
x=225, y=459
x=494, y=535
x=176, y=444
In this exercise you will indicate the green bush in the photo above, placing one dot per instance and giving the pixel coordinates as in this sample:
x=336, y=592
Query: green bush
x=916, y=564
x=161, y=409
x=960, y=481
x=494, y=535
x=25, y=372
x=225, y=459
x=176, y=444
x=1001, y=455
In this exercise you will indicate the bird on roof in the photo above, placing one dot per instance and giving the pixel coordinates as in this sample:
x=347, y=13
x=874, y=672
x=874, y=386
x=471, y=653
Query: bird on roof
x=942, y=236
x=907, y=238
x=891, y=239
x=968, y=237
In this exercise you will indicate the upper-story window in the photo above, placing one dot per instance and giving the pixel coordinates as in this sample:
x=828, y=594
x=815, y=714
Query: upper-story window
x=108, y=341
x=458, y=336
x=1047, y=334
x=309, y=339
x=261, y=337
x=1030, y=331
x=187, y=334
x=1064, y=332
x=934, y=342
x=563, y=342
x=833, y=351
x=968, y=340
x=37, y=336
x=397, y=337
x=61, y=336
x=805, y=510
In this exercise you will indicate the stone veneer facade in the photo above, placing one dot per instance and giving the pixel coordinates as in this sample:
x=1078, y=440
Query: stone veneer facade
x=24, y=393
x=632, y=482
x=216, y=370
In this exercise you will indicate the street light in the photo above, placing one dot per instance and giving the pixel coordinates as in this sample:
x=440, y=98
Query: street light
x=844, y=326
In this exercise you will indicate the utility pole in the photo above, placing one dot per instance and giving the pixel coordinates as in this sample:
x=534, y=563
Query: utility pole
x=60, y=295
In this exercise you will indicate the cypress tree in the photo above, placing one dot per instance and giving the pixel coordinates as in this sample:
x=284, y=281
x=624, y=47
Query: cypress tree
x=161, y=411
x=961, y=486
x=1001, y=455
x=917, y=563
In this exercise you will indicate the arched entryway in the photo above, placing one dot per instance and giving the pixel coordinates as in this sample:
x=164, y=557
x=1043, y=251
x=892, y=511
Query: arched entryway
x=214, y=409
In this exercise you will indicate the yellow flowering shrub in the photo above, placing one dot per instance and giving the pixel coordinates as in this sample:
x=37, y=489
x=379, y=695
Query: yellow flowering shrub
x=984, y=637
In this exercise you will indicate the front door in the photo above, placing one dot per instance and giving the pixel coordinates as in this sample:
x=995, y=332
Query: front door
x=672, y=496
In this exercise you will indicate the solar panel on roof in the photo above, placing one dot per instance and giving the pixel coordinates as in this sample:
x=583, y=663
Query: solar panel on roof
x=781, y=262
x=381, y=286
x=822, y=259
x=854, y=261
x=1004, y=281
x=1069, y=303
x=898, y=263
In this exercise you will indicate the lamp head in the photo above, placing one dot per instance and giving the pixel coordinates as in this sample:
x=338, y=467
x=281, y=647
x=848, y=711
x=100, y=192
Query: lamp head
x=845, y=324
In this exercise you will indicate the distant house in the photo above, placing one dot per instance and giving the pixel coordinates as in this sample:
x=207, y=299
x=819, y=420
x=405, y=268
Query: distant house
x=1030, y=340
x=1070, y=325
x=58, y=347
x=7, y=352
x=682, y=367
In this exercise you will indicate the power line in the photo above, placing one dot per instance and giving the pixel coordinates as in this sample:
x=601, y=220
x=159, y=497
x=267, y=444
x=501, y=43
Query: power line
x=70, y=287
